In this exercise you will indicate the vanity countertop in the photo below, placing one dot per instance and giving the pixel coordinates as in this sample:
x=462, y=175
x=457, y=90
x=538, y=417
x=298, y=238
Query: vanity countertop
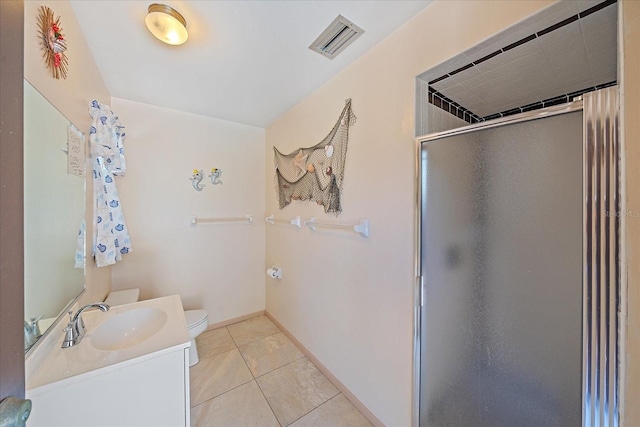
x=84, y=359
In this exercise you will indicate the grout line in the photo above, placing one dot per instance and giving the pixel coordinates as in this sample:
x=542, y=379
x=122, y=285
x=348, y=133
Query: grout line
x=313, y=409
x=215, y=397
x=246, y=364
x=258, y=384
x=340, y=389
x=254, y=341
x=238, y=348
x=231, y=335
x=255, y=316
x=302, y=355
x=209, y=356
x=332, y=378
x=286, y=364
x=267, y=400
x=245, y=360
x=322, y=404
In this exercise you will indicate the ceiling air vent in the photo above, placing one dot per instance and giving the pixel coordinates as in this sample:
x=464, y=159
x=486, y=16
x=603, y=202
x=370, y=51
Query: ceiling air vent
x=338, y=35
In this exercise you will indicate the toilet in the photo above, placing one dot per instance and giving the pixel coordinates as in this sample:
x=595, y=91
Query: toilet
x=197, y=320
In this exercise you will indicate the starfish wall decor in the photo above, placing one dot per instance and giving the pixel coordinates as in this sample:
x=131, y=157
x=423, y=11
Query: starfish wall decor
x=53, y=43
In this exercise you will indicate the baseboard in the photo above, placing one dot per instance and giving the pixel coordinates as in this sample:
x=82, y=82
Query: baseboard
x=343, y=389
x=235, y=320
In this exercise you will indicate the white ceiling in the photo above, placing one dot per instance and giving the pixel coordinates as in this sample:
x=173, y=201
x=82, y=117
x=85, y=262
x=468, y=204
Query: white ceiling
x=245, y=61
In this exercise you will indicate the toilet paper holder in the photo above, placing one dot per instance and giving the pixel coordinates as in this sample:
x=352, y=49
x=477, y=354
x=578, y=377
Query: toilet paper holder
x=275, y=272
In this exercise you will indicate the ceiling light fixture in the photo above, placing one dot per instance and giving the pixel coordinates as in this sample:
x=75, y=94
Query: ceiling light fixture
x=166, y=24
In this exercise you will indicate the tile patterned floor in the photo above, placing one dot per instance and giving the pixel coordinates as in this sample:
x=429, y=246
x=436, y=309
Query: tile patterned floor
x=251, y=374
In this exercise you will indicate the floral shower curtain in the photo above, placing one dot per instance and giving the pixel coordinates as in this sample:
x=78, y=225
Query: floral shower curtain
x=106, y=137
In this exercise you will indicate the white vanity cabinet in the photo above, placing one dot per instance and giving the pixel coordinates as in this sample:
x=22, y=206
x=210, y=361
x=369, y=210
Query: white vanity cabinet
x=144, y=385
x=151, y=392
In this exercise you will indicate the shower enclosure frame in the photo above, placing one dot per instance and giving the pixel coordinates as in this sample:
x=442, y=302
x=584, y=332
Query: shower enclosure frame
x=601, y=259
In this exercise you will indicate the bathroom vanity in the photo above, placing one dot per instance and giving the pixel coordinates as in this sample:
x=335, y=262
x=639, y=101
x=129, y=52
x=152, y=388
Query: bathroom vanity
x=130, y=369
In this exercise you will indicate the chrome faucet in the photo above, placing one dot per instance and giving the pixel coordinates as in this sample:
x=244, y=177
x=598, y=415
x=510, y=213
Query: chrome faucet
x=31, y=332
x=75, y=330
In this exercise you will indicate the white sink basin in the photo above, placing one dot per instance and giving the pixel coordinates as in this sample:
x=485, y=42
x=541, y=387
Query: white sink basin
x=128, y=328
x=114, y=339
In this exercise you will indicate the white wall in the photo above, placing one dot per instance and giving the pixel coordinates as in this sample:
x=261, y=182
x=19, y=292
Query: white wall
x=71, y=96
x=218, y=267
x=630, y=83
x=350, y=300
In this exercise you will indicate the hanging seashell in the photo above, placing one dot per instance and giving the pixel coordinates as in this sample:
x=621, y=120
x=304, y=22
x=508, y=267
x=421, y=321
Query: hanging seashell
x=59, y=46
x=328, y=150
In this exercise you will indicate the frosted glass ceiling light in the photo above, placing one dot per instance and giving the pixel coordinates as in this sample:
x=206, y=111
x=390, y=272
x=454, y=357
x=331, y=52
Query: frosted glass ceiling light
x=166, y=24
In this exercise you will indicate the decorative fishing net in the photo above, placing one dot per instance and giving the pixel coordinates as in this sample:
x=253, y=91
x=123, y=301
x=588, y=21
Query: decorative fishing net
x=316, y=173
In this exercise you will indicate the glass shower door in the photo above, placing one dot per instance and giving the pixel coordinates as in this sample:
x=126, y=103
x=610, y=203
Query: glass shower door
x=501, y=238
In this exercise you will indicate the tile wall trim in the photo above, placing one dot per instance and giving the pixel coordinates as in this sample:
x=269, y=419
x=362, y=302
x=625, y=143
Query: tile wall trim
x=556, y=100
x=439, y=100
x=332, y=378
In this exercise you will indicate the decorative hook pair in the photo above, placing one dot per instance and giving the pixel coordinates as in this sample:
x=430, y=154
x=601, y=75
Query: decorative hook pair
x=198, y=176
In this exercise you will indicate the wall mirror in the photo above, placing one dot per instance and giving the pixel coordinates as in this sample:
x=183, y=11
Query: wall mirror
x=54, y=210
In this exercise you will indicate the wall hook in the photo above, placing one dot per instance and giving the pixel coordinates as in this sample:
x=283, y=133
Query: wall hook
x=197, y=177
x=215, y=176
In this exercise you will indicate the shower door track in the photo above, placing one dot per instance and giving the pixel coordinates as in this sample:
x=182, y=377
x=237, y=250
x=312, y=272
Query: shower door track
x=601, y=250
x=569, y=107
